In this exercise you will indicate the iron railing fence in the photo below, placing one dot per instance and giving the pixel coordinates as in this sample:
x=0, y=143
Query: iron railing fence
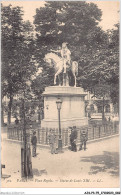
x=95, y=131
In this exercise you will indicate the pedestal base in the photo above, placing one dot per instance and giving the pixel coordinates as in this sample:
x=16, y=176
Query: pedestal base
x=72, y=112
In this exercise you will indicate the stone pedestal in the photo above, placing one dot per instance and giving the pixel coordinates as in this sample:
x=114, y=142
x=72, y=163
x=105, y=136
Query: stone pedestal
x=72, y=110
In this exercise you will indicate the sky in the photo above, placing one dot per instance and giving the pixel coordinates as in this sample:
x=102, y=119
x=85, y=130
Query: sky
x=110, y=15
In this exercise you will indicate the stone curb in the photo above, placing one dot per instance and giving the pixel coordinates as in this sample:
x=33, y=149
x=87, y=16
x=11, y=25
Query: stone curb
x=95, y=140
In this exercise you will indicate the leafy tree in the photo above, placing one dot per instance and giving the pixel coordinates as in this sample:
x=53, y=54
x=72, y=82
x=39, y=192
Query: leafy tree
x=96, y=51
x=113, y=61
x=17, y=51
x=105, y=68
x=72, y=22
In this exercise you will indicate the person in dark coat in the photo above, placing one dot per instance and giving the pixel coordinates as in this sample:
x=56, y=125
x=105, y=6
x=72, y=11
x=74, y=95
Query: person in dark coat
x=16, y=121
x=73, y=137
x=83, y=139
x=34, y=144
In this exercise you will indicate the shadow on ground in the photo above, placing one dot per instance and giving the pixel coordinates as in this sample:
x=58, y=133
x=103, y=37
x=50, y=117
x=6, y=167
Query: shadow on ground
x=37, y=172
x=108, y=162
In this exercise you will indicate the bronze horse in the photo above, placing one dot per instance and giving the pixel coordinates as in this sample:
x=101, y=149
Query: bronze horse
x=54, y=60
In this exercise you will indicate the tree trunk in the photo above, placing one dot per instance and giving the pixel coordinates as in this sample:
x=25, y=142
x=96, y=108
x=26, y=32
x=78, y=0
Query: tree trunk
x=39, y=109
x=9, y=108
x=2, y=114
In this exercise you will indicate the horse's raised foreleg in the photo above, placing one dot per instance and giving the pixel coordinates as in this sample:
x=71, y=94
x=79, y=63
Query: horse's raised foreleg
x=59, y=80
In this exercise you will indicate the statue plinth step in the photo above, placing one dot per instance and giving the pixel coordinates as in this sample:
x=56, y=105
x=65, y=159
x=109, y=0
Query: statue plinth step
x=64, y=90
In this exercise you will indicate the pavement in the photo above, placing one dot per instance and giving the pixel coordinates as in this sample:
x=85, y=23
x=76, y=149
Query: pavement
x=96, y=167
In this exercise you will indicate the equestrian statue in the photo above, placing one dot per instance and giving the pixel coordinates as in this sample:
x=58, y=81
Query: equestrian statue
x=62, y=64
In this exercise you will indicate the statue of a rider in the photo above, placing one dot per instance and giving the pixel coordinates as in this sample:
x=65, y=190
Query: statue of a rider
x=65, y=54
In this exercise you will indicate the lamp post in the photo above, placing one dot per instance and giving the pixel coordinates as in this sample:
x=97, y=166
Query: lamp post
x=59, y=103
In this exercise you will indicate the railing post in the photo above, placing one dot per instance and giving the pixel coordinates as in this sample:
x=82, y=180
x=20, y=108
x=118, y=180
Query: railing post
x=62, y=137
x=104, y=129
x=42, y=136
x=56, y=130
x=38, y=140
x=18, y=133
x=115, y=126
x=99, y=131
x=8, y=133
x=46, y=136
x=93, y=132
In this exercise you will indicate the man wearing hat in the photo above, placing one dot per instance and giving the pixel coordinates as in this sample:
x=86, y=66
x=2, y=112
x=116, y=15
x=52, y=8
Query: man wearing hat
x=34, y=143
x=83, y=139
x=73, y=137
x=66, y=55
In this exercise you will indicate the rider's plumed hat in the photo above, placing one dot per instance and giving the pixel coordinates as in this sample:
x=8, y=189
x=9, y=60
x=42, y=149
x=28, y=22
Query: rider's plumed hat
x=64, y=44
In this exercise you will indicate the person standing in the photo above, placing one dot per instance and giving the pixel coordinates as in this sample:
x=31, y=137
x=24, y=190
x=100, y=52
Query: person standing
x=52, y=142
x=83, y=139
x=16, y=121
x=34, y=144
x=73, y=137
